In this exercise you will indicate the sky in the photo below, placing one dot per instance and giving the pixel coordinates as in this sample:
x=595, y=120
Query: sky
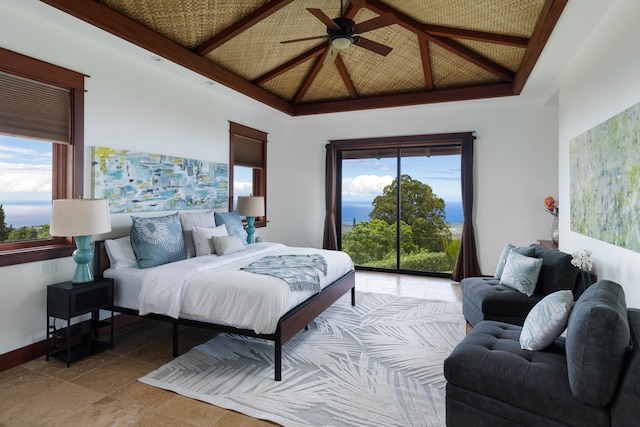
x=363, y=179
x=25, y=169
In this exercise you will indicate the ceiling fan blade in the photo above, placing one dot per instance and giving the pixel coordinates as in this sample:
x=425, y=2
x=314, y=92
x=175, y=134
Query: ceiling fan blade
x=323, y=17
x=375, y=23
x=331, y=55
x=375, y=47
x=304, y=39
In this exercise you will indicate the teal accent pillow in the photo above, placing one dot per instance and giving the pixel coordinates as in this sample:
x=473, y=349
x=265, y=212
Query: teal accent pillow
x=546, y=321
x=233, y=222
x=157, y=240
x=522, y=250
x=521, y=273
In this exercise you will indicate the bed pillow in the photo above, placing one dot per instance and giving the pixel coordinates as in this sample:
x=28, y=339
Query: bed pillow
x=225, y=245
x=157, y=240
x=546, y=321
x=120, y=253
x=521, y=273
x=233, y=222
x=202, y=239
x=188, y=220
x=522, y=250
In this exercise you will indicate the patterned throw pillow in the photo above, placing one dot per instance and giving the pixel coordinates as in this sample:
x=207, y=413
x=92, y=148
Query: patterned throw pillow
x=522, y=250
x=521, y=273
x=233, y=222
x=546, y=321
x=157, y=240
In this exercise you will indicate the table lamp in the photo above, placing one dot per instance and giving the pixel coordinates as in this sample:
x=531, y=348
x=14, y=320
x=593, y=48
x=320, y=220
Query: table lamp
x=80, y=218
x=250, y=207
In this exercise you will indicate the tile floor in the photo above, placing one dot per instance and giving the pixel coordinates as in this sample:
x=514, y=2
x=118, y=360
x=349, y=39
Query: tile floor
x=102, y=390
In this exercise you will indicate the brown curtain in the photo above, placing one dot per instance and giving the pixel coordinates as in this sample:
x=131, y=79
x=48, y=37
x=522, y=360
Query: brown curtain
x=467, y=262
x=330, y=239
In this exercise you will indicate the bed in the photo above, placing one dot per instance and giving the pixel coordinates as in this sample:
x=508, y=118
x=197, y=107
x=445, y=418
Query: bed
x=217, y=292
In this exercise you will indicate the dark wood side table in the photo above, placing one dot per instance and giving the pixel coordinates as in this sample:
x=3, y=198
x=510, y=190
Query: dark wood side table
x=66, y=301
x=548, y=244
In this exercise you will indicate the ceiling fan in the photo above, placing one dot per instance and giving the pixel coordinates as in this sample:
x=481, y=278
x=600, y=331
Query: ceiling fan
x=343, y=32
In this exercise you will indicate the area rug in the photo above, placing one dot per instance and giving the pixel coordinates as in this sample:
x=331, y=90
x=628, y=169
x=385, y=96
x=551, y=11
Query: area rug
x=379, y=363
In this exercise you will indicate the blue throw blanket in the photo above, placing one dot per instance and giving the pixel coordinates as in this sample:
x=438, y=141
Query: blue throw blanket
x=301, y=272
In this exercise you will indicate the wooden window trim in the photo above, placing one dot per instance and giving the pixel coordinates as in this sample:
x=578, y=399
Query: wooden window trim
x=259, y=175
x=68, y=160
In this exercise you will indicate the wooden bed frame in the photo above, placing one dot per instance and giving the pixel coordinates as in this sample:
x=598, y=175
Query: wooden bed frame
x=289, y=324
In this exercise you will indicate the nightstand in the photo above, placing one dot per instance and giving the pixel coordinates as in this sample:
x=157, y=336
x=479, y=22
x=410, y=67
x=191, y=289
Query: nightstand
x=66, y=301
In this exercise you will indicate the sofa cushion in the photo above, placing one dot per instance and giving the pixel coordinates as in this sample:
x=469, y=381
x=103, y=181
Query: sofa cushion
x=489, y=362
x=521, y=273
x=597, y=337
x=522, y=250
x=546, y=321
x=557, y=272
x=625, y=410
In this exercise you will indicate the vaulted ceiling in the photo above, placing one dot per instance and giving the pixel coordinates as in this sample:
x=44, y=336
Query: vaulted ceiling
x=410, y=51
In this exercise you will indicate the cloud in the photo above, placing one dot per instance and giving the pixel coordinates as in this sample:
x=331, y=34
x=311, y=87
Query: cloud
x=365, y=185
x=20, y=177
x=242, y=188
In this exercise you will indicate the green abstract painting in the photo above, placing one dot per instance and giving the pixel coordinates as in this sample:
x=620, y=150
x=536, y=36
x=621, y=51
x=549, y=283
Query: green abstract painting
x=138, y=182
x=605, y=181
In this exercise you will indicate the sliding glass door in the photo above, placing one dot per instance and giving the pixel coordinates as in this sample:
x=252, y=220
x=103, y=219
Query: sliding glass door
x=400, y=208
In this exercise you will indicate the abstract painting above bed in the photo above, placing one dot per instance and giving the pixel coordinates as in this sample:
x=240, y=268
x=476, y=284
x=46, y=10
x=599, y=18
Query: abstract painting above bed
x=140, y=182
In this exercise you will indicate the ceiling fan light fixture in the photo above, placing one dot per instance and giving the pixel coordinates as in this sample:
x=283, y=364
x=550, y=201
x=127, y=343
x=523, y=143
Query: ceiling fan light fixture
x=341, y=42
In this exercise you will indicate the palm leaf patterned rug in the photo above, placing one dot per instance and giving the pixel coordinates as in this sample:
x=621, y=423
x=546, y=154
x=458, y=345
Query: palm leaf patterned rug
x=379, y=363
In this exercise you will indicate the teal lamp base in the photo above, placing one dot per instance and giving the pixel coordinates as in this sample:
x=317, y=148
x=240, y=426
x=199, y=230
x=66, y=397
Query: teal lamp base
x=250, y=228
x=82, y=256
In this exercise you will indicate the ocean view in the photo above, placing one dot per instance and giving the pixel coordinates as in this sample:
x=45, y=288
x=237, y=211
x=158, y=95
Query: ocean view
x=360, y=211
x=21, y=213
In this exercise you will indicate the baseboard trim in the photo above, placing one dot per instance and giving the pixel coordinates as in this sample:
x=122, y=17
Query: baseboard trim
x=33, y=351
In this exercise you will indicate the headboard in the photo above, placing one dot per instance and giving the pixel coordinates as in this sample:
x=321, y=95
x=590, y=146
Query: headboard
x=100, y=259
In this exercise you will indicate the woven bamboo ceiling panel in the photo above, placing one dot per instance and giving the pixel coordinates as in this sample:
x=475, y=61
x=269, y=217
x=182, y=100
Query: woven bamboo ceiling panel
x=413, y=52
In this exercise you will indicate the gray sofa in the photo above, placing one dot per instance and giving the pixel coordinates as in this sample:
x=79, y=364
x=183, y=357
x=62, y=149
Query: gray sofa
x=589, y=378
x=486, y=299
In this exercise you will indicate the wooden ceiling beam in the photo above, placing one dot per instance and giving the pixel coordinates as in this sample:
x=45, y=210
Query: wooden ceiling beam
x=298, y=60
x=127, y=29
x=547, y=20
x=245, y=23
x=472, y=56
x=480, y=36
x=315, y=69
x=407, y=99
x=346, y=78
x=426, y=62
x=446, y=43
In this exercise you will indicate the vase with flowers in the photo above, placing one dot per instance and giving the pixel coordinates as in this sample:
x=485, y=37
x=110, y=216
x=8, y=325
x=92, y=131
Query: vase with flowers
x=552, y=208
x=582, y=260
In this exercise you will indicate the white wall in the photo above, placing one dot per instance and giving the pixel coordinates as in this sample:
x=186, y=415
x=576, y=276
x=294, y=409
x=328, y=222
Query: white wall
x=132, y=102
x=515, y=165
x=601, y=81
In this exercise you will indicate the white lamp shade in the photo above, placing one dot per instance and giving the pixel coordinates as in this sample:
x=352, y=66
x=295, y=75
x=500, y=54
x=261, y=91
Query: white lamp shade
x=80, y=217
x=250, y=206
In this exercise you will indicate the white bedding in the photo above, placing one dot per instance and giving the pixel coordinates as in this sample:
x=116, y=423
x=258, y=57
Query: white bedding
x=213, y=289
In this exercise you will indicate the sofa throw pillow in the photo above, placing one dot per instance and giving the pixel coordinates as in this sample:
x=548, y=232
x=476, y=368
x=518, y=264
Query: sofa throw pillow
x=202, y=239
x=546, y=321
x=157, y=240
x=188, y=220
x=521, y=273
x=522, y=250
x=225, y=245
x=598, y=336
x=233, y=222
x=120, y=253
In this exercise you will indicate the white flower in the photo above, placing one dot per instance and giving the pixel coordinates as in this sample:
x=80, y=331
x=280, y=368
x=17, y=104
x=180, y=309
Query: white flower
x=582, y=260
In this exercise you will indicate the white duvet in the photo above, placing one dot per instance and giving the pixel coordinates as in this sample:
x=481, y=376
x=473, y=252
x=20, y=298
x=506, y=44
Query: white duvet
x=213, y=288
